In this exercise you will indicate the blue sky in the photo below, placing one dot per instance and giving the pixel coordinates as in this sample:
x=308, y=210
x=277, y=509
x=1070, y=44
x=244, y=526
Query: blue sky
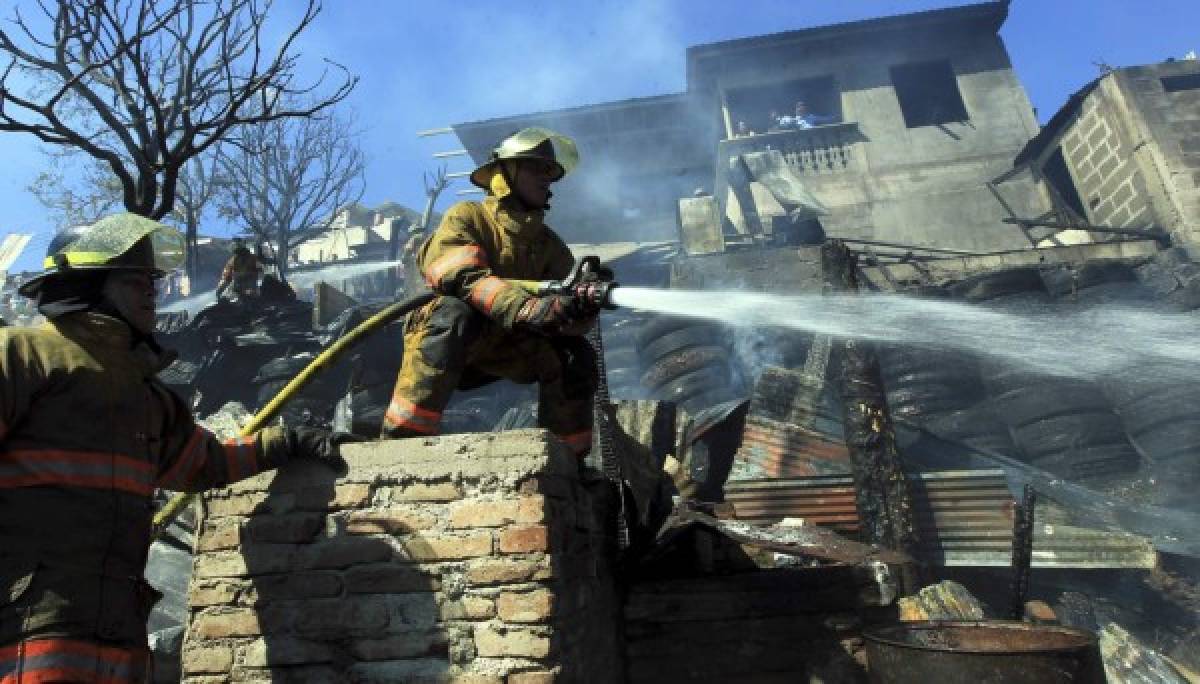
x=430, y=64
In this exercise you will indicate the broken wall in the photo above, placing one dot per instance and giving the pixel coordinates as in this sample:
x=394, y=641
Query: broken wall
x=466, y=558
x=1133, y=150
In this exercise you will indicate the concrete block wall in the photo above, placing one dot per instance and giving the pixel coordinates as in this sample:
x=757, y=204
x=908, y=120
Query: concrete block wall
x=1100, y=156
x=466, y=558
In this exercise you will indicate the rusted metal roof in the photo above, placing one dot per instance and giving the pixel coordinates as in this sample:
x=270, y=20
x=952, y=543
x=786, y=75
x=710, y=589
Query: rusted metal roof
x=964, y=519
x=787, y=450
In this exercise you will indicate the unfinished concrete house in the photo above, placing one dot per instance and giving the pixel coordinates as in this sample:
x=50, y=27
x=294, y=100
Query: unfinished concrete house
x=767, y=506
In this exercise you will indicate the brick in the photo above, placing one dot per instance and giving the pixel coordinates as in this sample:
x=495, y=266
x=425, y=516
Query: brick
x=531, y=509
x=396, y=520
x=207, y=658
x=420, y=491
x=525, y=539
x=388, y=578
x=219, y=623
x=343, y=496
x=296, y=674
x=214, y=593
x=420, y=671
x=493, y=642
x=292, y=586
x=355, y=616
x=533, y=677
x=483, y=513
x=245, y=504
x=342, y=552
x=277, y=651
x=251, y=560
x=448, y=547
x=425, y=643
x=468, y=608
x=528, y=606
x=488, y=571
x=219, y=535
x=284, y=529
x=557, y=487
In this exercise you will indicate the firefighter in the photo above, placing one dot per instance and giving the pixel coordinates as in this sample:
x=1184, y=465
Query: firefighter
x=241, y=271
x=87, y=433
x=485, y=260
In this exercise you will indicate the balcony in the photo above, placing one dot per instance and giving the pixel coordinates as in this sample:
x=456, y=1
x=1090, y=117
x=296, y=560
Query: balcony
x=813, y=151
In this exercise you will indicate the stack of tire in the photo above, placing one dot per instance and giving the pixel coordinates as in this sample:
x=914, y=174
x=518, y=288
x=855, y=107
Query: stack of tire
x=619, y=331
x=1159, y=410
x=942, y=391
x=1065, y=426
x=687, y=361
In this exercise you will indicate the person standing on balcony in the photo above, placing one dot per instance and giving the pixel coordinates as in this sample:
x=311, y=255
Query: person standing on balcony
x=804, y=118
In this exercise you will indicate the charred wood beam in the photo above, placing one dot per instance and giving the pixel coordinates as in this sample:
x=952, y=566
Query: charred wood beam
x=881, y=489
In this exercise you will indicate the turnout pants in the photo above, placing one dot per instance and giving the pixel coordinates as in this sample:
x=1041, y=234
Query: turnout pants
x=448, y=345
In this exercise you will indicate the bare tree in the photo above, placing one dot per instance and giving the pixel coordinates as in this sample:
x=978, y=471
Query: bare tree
x=145, y=85
x=77, y=189
x=288, y=179
x=199, y=182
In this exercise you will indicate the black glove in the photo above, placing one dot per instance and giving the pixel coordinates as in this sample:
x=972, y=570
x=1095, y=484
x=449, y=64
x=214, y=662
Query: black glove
x=549, y=313
x=320, y=445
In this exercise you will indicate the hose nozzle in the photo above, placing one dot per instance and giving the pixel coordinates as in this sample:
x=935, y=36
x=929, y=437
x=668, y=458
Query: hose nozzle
x=590, y=284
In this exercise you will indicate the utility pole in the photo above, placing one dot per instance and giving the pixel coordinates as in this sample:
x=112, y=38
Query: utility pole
x=882, y=498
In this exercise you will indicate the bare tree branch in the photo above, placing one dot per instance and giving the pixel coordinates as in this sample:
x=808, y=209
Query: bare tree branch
x=288, y=179
x=143, y=86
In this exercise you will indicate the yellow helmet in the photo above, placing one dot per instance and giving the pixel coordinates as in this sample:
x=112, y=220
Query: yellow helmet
x=527, y=143
x=117, y=242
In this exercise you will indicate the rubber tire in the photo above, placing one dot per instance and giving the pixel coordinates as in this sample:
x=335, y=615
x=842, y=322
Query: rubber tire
x=683, y=362
x=1000, y=284
x=673, y=342
x=1089, y=463
x=1168, y=442
x=1026, y=405
x=1170, y=405
x=621, y=357
x=693, y=384
x=1053, y=435
x=659, y=326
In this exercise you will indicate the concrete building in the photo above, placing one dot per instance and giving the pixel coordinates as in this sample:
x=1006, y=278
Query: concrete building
x=1124, y=152
x=357, y=233
x=925, y=110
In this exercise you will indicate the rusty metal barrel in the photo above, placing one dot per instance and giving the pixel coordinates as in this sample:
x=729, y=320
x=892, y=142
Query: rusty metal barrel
x=982, y=653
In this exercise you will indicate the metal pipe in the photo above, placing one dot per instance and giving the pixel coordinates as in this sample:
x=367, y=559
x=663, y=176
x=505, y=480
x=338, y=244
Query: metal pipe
x=912, y=248
x=1147, y=234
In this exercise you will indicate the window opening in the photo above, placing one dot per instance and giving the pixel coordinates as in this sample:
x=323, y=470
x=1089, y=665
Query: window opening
x=1174, y=84
x=774, y=107
x=928, y=93
x=1055, y=171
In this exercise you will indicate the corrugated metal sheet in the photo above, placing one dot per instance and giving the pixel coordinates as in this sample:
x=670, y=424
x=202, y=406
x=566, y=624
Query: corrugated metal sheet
x=787, y=450
x=964, y=519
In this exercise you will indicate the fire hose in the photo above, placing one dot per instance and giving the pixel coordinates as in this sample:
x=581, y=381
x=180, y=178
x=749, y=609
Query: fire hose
x=589, y=283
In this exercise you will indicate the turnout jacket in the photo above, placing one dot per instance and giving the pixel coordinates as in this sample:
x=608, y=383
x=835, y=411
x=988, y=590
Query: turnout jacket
x=493, y=257
x=86, y=434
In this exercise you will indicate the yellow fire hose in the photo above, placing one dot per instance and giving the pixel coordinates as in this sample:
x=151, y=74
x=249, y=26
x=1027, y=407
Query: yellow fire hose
x=180, y=501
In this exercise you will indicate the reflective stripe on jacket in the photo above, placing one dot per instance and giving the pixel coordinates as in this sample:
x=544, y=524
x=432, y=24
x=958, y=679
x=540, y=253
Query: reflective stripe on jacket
x=489, y=256
x=86, y=434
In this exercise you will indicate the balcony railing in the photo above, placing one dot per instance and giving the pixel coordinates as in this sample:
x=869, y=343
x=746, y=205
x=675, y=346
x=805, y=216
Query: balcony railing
x=808, y=151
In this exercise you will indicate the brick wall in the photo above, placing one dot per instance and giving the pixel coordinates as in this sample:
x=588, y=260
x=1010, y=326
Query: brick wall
x=467, y=558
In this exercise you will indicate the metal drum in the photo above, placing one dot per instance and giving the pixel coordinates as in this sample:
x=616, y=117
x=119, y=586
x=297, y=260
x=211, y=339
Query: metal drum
x=982, y=653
